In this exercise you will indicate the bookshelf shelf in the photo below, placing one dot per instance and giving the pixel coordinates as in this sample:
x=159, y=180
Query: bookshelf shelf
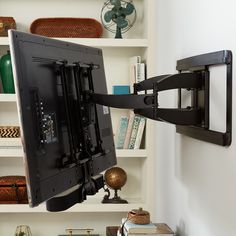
x=131, y=153
x=11, y=151
x=90, y=206
x=98, y=42
x=4, y=41
x=10, y=142
x=11, y=147
x=7, y=97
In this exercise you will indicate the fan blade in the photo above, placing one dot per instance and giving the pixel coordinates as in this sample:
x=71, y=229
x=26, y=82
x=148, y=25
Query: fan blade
x=129, y=9
x=116, y=3
x=121, y=22
x=108, y=16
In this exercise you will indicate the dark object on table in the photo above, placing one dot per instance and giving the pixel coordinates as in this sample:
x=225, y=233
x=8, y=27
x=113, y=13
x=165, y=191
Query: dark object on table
x=6, y=23
x=9, y=131
x=111, y=230
x=13, y=190
x=115, y=178
x=118, y=16
x=67, y=27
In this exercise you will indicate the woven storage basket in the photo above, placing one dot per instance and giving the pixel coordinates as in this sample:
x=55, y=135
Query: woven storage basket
x=67, y=27
x=13, y=190
x=139, y=216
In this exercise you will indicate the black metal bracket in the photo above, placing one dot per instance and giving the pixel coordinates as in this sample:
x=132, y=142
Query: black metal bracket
x=194, y=76
x=147, y=104
x=202, y=63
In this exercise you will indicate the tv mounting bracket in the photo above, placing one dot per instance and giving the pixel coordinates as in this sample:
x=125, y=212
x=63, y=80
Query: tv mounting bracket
x=194, y=75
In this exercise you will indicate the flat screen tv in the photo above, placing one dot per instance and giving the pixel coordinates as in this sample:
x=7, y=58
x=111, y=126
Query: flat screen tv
x=67, y=140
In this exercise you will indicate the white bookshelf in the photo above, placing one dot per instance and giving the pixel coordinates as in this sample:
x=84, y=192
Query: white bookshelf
x=139, y=164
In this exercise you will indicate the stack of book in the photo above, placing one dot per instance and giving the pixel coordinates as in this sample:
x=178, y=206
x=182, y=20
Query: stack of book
x=137, y=71
x=152, y=229
x=131, y=128
x=130, y=131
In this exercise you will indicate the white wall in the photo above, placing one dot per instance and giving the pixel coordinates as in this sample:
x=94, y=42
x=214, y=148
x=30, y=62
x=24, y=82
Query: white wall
x=195, y=181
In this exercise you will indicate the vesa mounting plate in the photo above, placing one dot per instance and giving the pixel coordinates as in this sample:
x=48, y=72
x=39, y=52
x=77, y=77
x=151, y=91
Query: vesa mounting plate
x=201, y=99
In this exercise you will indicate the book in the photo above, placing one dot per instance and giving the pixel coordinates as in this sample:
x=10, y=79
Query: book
x=141, y=76
x=134, y=131
x=133, y=62
x=129, y=129
x=152, y=229
x=140, y=72
x=121, y=89
x=131, y=228
x=163, y=228
x=140, y=131
x=123, y=124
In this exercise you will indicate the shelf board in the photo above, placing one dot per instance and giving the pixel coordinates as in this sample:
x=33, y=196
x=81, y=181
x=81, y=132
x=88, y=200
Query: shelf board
x=10, y=142
x=11, y=151
x=90, y=205
x=4, y=41
x=97, y=42
x=13, y=147
x=4, y=97
x=131, y=153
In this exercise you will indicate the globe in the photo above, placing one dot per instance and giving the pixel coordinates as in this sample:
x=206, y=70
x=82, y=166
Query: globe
x=115, y=178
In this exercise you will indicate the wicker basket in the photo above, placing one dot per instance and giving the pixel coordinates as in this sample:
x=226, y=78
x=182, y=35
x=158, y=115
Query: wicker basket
x=67, y=27
x=139, y=216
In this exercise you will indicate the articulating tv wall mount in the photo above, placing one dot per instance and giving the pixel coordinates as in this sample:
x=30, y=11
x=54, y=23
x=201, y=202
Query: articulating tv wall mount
x=193, y=75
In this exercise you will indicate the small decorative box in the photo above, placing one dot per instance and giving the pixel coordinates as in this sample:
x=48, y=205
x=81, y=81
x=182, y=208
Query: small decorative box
x=13, y=190
x=9, y=131
x=6, y=23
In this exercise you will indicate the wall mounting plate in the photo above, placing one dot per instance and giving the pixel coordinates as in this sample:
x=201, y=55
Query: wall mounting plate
x=201, y=98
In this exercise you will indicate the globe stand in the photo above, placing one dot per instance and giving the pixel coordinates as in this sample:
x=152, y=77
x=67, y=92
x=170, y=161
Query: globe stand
x=116, y=199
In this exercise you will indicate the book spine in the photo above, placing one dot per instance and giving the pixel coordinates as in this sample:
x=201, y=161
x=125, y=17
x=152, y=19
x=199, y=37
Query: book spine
x=133, y=61
x=134, y=131
x=142, y=75
x=121, y=132
x=129, y=130
x=140, y=133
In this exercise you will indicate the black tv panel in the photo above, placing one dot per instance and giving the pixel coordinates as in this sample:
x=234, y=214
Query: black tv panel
x=67, y=141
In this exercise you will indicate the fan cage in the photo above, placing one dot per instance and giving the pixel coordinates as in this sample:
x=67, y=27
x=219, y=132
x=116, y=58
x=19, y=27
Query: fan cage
x=108, y=26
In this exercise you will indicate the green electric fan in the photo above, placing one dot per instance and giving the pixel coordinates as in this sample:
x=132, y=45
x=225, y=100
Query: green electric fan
x=118, y=16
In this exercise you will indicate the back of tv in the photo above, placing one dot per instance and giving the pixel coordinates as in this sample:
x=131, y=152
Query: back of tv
x=43, y=115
